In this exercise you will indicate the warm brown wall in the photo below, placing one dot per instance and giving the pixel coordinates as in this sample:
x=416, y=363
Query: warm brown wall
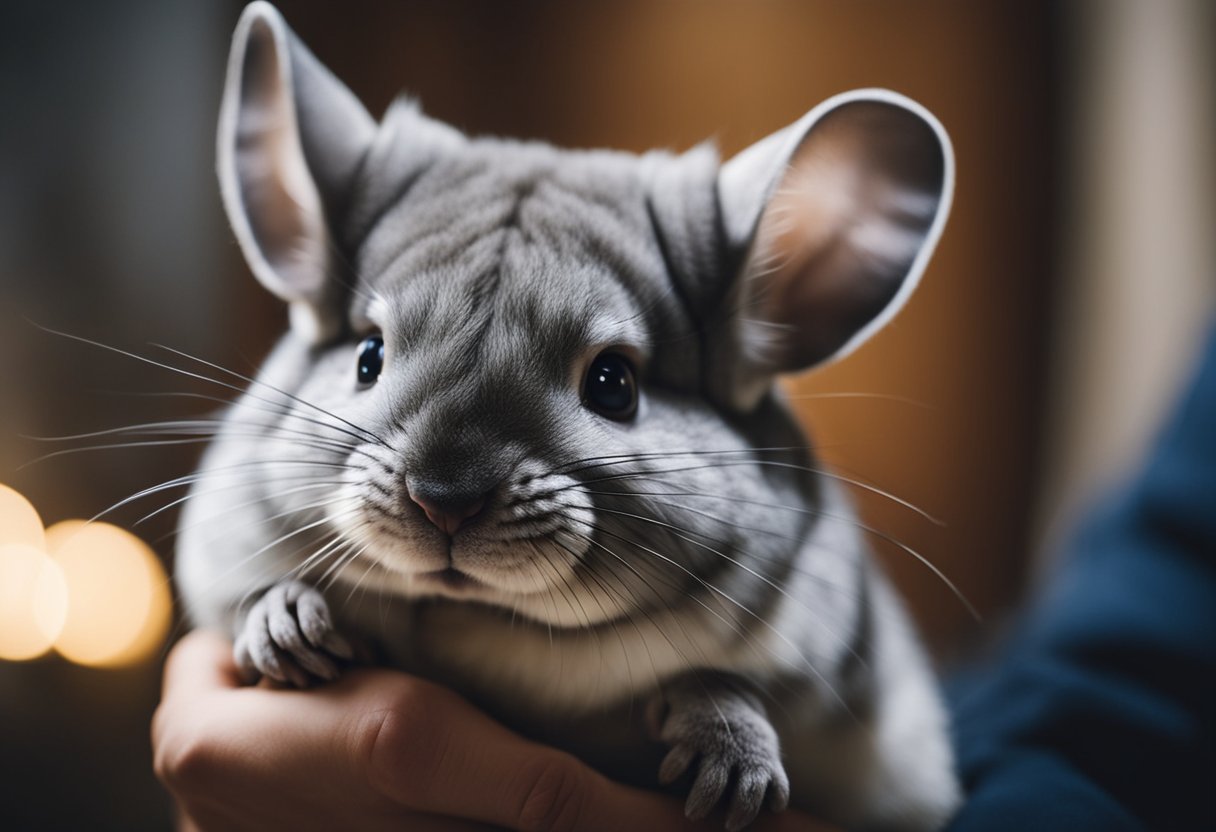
x=969, y=347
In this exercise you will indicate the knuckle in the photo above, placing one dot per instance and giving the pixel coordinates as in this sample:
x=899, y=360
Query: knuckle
x=555, y=796
x=402, y=742
x=182, y=759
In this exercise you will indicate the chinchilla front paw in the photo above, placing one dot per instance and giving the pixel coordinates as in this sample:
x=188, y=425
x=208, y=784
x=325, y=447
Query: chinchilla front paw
x=726, y=743
x=289, y=636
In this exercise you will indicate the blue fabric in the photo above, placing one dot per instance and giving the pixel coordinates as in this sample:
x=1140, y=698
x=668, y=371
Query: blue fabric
x=1100, y=713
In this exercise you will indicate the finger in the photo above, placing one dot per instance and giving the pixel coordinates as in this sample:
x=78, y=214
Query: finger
x=791, y=821
x=201, y=661
x=432, y=751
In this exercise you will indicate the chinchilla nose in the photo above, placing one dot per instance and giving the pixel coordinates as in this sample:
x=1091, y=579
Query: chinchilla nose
x=445, y=508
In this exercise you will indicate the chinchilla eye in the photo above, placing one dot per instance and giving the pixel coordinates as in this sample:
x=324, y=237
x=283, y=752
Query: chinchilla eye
x=610, y=388
x=371, y=360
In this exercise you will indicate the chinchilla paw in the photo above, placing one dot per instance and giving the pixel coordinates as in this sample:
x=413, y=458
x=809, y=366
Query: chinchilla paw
x=732, y=755
x=289, y=636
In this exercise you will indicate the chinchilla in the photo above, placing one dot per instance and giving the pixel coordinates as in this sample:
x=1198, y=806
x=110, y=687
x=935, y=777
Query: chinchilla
x=522, y=436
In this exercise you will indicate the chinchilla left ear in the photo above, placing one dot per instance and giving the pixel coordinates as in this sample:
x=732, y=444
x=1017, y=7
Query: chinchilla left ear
x=833, y=220
x=291, y=138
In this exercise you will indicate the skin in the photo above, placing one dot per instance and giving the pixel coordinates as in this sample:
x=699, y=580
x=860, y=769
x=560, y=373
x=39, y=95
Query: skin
x=375, y=750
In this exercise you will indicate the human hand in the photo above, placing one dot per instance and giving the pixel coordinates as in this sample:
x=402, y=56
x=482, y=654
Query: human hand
x=375, y=750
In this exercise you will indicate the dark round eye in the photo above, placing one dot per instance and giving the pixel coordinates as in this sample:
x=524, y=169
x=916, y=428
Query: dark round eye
x=371, y=359
x=610, y=388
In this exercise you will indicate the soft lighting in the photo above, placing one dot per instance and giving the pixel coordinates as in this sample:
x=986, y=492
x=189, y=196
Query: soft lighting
x=94, y=592
x=19, y=522
x=119, y=606
x=33, y=601
x=58, y=534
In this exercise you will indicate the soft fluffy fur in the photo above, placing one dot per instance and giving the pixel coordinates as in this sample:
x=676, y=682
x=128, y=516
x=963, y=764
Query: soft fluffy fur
x=688, y=586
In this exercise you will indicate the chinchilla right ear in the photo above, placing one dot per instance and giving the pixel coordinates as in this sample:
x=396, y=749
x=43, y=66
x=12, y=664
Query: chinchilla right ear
x=831, y=220
x=291, y=138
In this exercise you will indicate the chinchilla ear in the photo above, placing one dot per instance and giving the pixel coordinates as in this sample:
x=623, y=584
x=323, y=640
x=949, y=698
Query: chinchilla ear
x=291, y=137
x=832, y=220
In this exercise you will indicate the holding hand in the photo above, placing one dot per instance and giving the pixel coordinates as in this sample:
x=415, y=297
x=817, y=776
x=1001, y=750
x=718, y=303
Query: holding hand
x=376, y=749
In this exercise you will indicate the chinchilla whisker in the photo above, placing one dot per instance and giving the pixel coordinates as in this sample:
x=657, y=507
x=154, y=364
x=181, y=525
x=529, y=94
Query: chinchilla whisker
x=326, y=546
x=638, y=608
x=293, y=439
x=735, y=602
x=340, y=556
x=190, y=479
x=301, y=529
x=562, y=586
x=581, y=618
x=274, y=462
x=181, y=426
x=609, y=620
x=937, y=572
x=717, y=518
x=928, y=564
x=211, y=428
x=887, y=397
x=316, y=444
x=367, y=570
x=760, y=650
x=290, y=492
x=363, y=435
x=336, y=534
x=618, y=459
x=185, y=427
x=856, y=483
x=547, y=597
x=177, y=482
x=287, y=413
x=115, y=446
x=646, y=497
x=684, y=534
x=367, y=434
x=821, y=580
x=344, y=551
x=623, y=602
x=277, y=495
x=734, y=626
x=216, y=580
x=206, y=429
x=275, y=408
x=772, y=463
x=331, y=575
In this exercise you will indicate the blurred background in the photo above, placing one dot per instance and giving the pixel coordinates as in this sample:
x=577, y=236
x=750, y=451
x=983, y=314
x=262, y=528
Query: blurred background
x=1026, y=375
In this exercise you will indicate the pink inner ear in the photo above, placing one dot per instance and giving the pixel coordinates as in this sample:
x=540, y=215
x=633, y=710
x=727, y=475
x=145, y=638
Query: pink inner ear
x=839, y=236
x=290, y=137
x=276, y=190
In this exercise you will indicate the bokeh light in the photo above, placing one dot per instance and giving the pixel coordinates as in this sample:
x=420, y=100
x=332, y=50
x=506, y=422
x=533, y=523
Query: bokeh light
x=33, y=601
x=19, y=521
x=58, y=534
x=119, y=604
x=92, y=591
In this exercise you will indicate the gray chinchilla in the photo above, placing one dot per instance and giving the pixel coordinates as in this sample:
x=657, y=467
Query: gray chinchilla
x=522, y=437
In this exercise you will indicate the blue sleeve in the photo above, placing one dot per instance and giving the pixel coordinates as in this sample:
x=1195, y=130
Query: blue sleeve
x=1100, y=714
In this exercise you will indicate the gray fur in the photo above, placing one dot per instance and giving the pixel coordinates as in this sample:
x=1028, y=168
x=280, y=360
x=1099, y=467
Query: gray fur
x=695, y=557
x=719, y=730
x=289, y=636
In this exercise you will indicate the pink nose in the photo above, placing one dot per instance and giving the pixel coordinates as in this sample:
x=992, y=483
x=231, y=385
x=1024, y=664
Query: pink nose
x=449, y=515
